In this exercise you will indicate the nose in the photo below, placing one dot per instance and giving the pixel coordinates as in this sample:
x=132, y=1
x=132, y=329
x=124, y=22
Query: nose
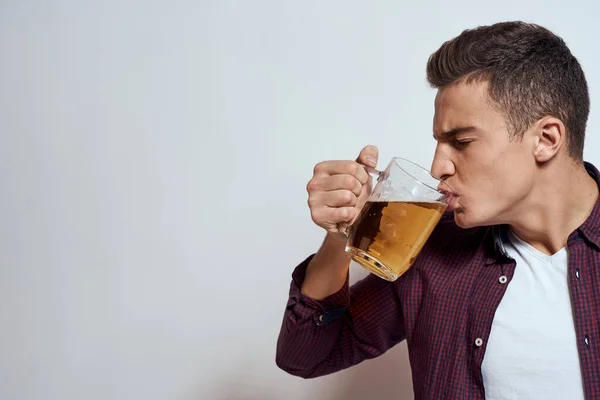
x=442, y=166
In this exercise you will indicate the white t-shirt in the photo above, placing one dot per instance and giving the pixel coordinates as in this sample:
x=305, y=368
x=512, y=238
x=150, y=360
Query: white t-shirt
x=532, y=348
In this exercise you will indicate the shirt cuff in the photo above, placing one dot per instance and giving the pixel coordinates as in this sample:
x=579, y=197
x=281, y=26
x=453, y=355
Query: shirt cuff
x=322, y=311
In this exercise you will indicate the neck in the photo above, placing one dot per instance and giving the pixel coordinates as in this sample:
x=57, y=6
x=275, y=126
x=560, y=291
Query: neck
x=561, y=200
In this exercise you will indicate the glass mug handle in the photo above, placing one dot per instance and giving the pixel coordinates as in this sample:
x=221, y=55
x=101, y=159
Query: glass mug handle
x=344, y=227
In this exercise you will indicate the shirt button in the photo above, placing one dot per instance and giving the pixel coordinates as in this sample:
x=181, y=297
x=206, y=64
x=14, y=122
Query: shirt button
x=502, y=279
x=478, y=342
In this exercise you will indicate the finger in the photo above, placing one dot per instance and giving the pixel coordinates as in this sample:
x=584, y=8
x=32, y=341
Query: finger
x=343, y=214
x=331, y=216
x=368, y=156
x=330, y=168
x=336, y=182
x=339, y=198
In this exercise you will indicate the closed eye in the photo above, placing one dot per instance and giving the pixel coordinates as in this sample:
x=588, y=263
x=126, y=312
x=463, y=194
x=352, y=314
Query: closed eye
x=462, y=143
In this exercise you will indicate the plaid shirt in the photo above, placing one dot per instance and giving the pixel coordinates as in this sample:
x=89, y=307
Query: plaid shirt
x=443, y=306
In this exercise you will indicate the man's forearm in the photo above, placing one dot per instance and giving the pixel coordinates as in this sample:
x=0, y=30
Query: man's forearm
x=327, y=271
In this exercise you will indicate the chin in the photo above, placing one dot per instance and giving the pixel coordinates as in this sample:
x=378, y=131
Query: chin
x=466, y=220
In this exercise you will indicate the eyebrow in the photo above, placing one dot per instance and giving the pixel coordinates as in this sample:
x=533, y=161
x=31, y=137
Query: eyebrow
x=453, y=132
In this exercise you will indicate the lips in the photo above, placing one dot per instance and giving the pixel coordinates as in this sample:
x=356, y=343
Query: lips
x=452, y=201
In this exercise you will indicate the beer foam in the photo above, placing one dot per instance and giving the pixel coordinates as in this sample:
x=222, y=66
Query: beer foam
x=399, y=200
x=386, y=192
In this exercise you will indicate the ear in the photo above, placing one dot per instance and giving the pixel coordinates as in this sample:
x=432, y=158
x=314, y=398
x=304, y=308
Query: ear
x=550, y=137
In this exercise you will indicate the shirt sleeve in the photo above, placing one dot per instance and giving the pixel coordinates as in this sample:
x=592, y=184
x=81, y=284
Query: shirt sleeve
x=351, y=325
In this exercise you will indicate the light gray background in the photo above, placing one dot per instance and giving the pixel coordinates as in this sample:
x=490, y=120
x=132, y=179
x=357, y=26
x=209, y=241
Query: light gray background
x=153, y=160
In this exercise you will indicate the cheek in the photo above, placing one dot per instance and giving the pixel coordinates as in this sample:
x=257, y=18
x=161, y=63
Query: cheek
x=487, y=171
x=499, y=189
x=485, y=191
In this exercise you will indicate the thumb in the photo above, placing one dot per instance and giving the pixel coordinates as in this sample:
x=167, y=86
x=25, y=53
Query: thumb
x=368, y=156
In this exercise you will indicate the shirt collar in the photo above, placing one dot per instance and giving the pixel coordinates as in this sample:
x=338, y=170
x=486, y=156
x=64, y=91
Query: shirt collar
x=497, y=252
x=590, y=228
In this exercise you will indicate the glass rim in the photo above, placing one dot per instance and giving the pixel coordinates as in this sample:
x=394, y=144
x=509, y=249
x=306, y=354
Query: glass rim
x=395, y=160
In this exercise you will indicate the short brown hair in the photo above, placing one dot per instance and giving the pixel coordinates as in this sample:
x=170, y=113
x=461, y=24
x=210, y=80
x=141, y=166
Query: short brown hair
x=531, y=73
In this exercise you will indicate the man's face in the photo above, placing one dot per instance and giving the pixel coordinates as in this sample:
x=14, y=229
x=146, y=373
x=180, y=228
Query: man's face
x=489, y=173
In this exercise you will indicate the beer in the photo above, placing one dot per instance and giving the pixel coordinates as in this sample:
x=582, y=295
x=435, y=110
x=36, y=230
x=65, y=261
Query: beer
x=388, y=235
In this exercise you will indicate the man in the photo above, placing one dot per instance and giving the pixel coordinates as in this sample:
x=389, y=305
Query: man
x=504, y=300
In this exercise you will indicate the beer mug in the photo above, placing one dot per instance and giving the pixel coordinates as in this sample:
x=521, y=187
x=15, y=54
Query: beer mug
x=405, y=205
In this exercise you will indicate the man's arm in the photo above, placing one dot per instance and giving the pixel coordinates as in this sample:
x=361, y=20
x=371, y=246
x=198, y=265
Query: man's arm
x=337, y=192
x=319, y=337
x=328, y=269
x=326, y=326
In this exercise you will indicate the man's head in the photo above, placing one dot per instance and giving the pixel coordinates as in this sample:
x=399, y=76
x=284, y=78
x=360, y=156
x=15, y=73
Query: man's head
x=512, y=100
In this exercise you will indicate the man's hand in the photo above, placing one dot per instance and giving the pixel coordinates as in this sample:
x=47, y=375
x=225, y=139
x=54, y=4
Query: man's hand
x=339, y=189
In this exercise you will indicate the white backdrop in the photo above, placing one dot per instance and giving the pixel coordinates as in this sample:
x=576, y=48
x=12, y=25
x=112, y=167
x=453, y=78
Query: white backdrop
x=153, y=160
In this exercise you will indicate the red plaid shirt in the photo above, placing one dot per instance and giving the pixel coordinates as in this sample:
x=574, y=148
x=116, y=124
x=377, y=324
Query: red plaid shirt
x=443, y=306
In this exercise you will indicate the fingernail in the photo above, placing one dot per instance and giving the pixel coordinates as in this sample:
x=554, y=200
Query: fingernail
x=371, y=161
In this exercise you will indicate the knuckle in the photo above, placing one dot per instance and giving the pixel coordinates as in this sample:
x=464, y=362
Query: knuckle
x=348, y=197
x=315, y=217
x=362, y=177
x=349, y=182
x=311, y=186
x=318, y=217
x=353, y=168
x=344, y=213
x=320, y=167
